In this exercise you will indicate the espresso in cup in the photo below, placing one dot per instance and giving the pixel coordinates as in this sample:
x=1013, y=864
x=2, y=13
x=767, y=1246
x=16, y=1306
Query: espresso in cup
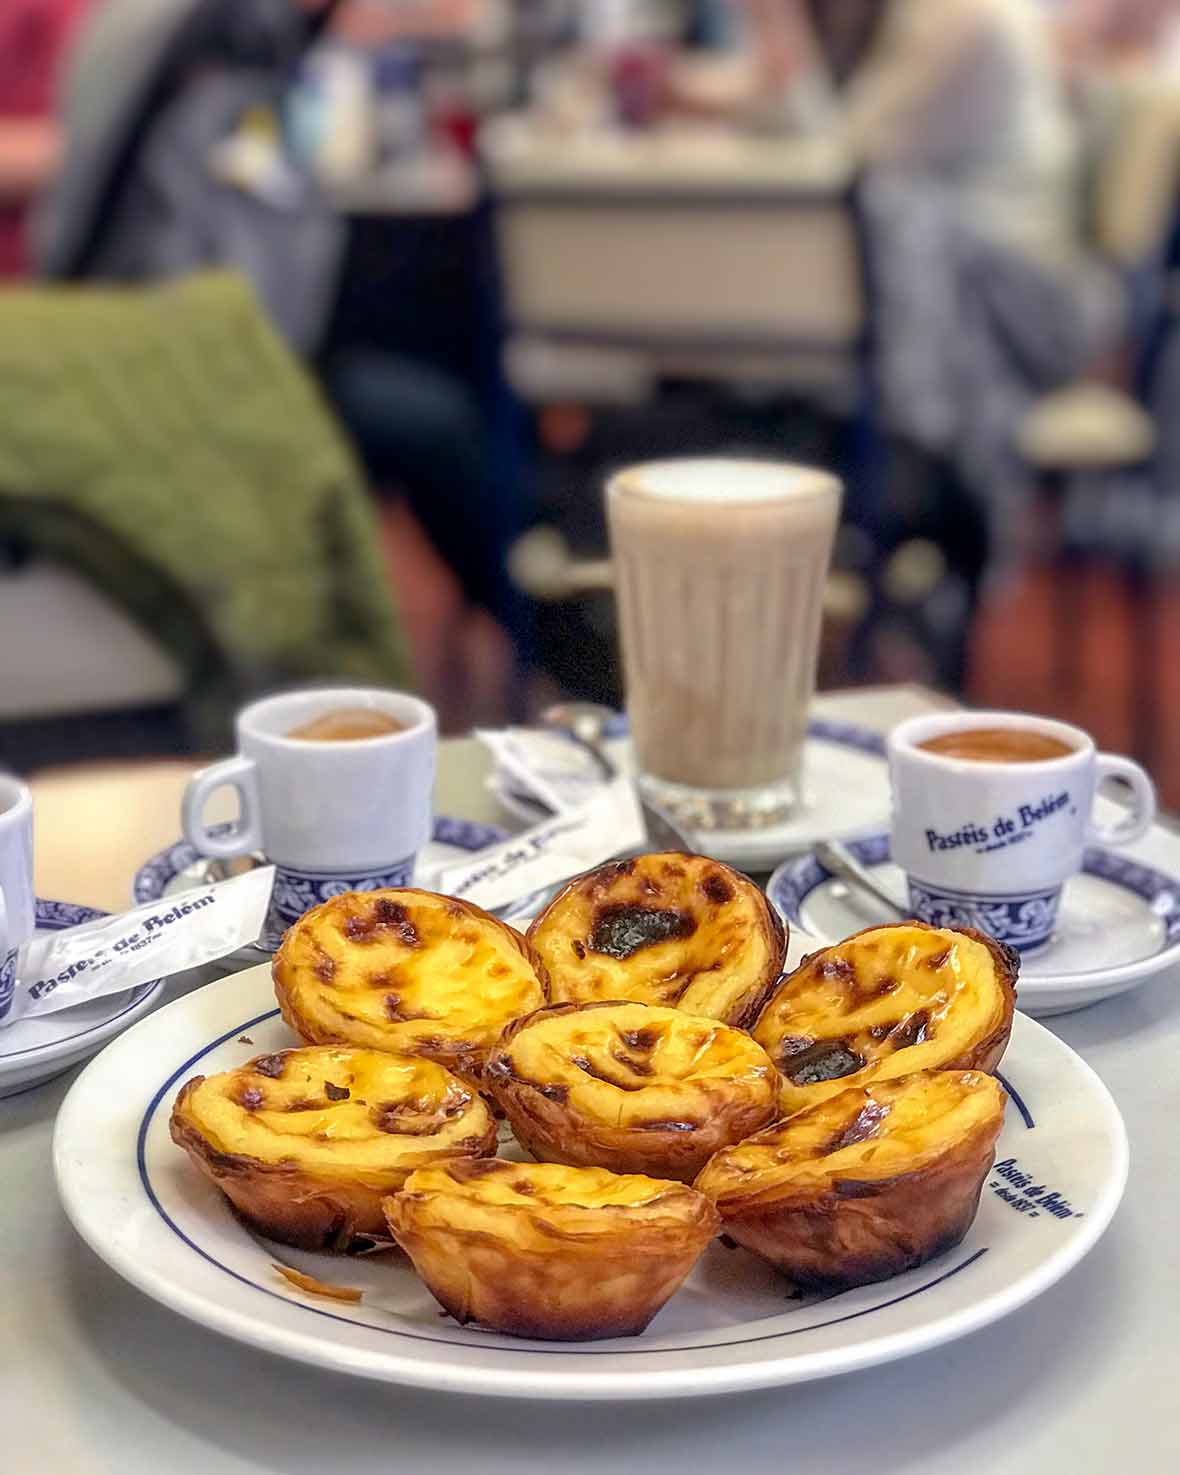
x=998, y=745
x=347, y=725
x=992, y=813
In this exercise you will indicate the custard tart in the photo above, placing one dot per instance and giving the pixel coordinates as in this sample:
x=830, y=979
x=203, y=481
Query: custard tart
x=408, y=971
x=538, y=1250
x=670, y=929
x=886, y=1002
x=305, y=1143
x=630, y=1087
x=865, y=1184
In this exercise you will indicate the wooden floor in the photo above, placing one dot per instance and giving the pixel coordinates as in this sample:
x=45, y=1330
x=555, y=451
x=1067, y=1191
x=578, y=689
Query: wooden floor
x=1128, y=708
x=464, y=662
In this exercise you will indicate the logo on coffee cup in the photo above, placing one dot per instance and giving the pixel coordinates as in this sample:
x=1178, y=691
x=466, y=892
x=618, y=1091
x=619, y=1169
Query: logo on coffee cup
x=1004, y=830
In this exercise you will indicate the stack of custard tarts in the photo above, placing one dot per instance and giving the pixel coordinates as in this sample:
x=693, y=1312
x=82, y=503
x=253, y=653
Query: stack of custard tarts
x=642, y=1045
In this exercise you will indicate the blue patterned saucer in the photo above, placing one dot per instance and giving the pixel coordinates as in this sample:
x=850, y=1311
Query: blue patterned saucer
x=1118, y=924
x=36, y=1049
x=180, y=866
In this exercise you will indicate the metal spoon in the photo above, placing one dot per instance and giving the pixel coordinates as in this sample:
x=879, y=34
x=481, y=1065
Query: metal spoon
x=841, y=862
x=585, y=724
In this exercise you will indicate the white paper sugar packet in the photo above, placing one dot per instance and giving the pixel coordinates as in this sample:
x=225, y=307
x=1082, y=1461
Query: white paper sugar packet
x=552, y=851
x=60, y=969
x=544, y=765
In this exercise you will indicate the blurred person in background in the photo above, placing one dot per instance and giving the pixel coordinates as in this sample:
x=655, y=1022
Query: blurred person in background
x=34, y=36
x=177, y=158
x=984, y=292
x=1127, y=35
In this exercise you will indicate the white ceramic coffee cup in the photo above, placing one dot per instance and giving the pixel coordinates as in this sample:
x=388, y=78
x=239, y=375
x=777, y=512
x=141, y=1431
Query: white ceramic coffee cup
x=331, y=816
x=17, y=904
x=990, y=844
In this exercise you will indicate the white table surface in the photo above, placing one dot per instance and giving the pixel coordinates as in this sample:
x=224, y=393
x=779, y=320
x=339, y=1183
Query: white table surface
x=1085, y=1381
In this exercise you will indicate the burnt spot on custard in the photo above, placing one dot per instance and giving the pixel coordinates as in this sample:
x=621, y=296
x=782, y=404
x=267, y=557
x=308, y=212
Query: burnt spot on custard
x=912, y=1030
x=865, y=1124
x=478, y=1167
x=395, y=918
x=325, y=967
x=522, y=1185
x=640, y=1039
x=579, y=949
x=836, y=970
x=413, y=1118
x=587, y=1067
x=269, y=1065
x=336, y=1093
x=937, y=960
x=807, y=1062
x=250, y=1098
x=620, y=931
x=629, y=1062
x=886, y=985
x=605, y=877
x=392, y=1004
x=716, y=888
x=666, y=1126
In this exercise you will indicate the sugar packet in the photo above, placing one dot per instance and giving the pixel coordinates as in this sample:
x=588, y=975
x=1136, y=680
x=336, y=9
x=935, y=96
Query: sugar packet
x=57, y=970
x=544, y=766
x=609, y=824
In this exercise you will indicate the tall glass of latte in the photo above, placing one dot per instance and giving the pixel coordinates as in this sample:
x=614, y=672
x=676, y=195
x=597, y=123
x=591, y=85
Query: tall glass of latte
x=720, y=571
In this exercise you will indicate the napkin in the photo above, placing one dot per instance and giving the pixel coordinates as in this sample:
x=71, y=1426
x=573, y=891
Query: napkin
x=544, y=766
x=112, y=954
x=610, y=823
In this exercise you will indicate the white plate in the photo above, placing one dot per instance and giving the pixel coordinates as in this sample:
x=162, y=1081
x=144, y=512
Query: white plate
x=845, y=793
x=35, y=1050
x=135, y=1198
x=1118, y=924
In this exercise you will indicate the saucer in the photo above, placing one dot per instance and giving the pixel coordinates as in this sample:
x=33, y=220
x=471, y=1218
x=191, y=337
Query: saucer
x=180, y=867
x=1118, y=924
x=37, y=1049
x=845, y=793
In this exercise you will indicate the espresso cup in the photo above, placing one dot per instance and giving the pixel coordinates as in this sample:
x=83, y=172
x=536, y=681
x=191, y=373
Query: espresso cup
x=331, y=816
x=17, y=907
x=990, y=843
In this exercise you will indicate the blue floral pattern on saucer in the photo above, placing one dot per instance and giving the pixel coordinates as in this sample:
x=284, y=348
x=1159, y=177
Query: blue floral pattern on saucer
x=1020, y=920
x=296, y=891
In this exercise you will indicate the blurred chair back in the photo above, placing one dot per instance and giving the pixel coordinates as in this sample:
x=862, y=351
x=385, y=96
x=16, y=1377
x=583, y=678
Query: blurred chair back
x=79, y=652
x=1134, y=128
x=734, y=262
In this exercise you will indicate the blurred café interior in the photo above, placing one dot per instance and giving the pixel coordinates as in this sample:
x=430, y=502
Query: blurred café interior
x=323, y=323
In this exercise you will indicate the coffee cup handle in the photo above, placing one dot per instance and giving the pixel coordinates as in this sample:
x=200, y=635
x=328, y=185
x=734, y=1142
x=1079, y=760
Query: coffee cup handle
x=1142, y=816
x=236, y=773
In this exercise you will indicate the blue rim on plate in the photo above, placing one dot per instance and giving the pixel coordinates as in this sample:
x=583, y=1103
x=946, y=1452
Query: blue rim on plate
x=56, y=916
x=795, y=880
x=164, y=1092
